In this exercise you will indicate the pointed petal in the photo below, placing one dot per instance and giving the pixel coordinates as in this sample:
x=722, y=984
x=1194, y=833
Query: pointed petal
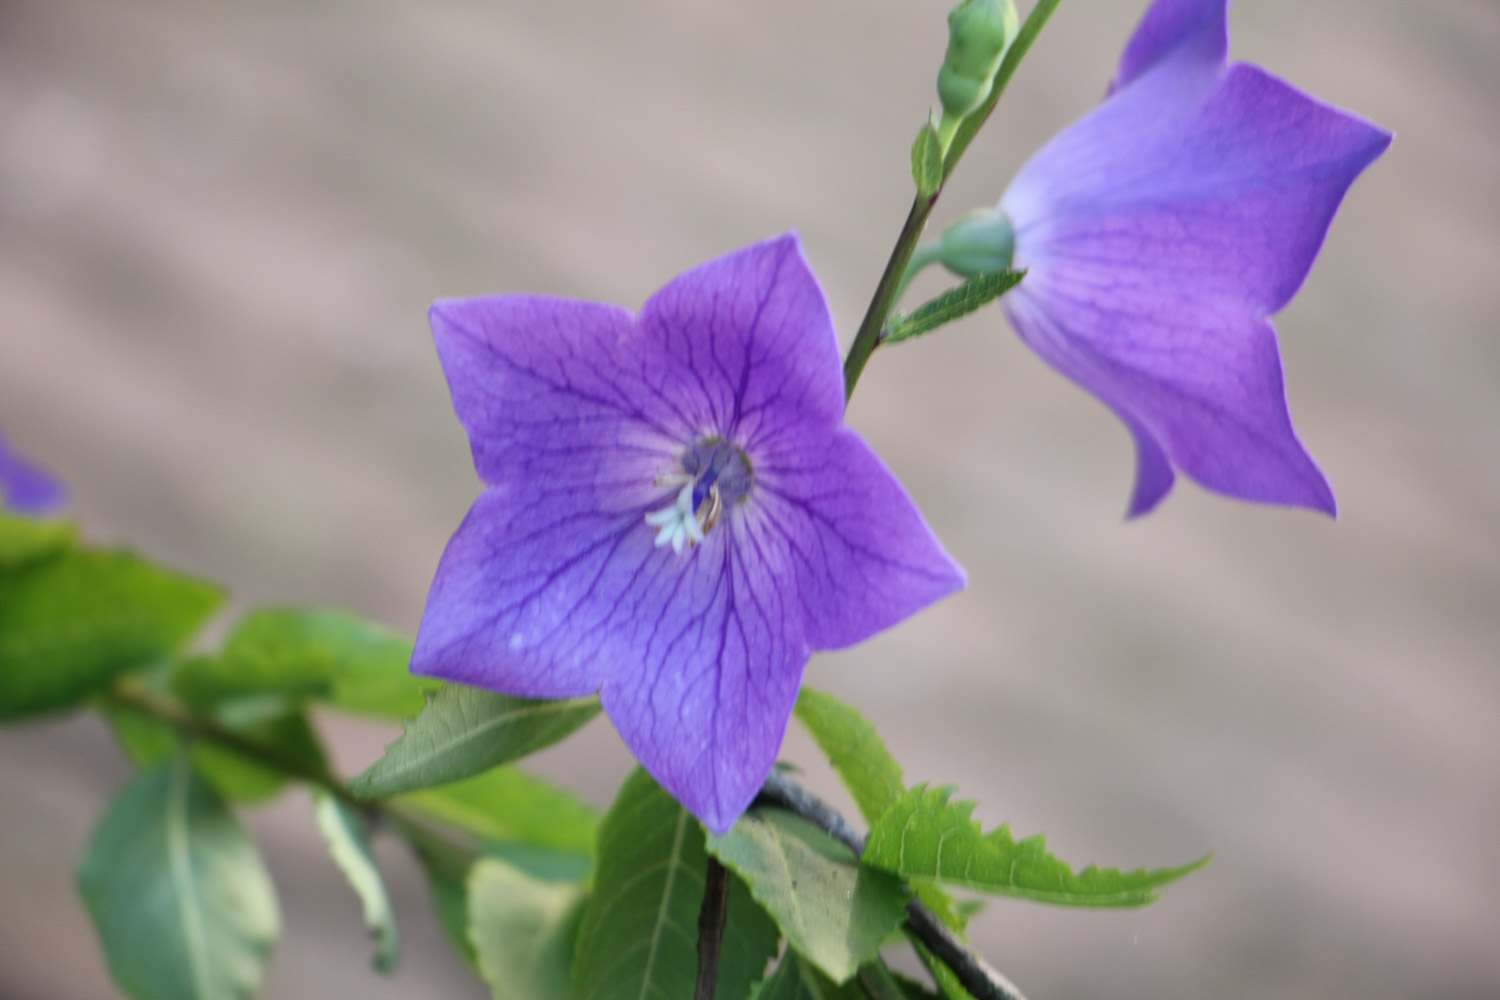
x=751, y=342
x=1153, y=471
x=528, y=596
x=547, y=386
x=1157, y=234
x=1197, y=384
x=713, y=673
x=833, y=518
x=1190, y=31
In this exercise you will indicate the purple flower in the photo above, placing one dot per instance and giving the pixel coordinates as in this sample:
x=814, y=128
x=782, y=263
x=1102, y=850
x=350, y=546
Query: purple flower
x=1160, y=231
x=25, y=486
x=675, y=515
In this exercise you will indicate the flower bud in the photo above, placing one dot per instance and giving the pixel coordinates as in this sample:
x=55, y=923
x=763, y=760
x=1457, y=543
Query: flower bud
x=979, y=31
x=980, y=242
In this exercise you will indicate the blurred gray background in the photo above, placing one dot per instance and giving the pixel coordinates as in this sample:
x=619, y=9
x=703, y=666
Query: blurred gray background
x=220, y=228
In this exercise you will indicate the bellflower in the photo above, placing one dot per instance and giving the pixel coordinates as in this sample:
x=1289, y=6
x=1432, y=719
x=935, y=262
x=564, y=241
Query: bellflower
x=1159, y=232
x=675, y=515
x=26, y=487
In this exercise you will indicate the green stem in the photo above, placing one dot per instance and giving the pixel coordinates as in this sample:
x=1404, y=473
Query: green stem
x=412, y=825
x=893, y=280
x=867, y=338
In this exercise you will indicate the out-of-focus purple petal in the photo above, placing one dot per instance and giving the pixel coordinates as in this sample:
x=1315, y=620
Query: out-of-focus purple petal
x=1160, y=230
x=26, y=487
x=604, y=440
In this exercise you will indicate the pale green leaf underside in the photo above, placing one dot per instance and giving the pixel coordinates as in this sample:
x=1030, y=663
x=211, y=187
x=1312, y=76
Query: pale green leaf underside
x=523, y=931
x=181, y=900
x=928, y=836
x=349, y=844
x=506, y=804
x=639, y=937
x=463, y=732
x=833, y=911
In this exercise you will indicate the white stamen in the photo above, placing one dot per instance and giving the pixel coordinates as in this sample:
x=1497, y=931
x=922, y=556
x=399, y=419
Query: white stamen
x=677, y=522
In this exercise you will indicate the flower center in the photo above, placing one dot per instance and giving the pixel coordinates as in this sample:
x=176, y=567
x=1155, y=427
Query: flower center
x=715, y=476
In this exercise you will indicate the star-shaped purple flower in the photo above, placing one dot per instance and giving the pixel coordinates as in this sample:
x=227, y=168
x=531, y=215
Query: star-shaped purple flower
x=26, y=487
x=675, y=515
x=1159, y=232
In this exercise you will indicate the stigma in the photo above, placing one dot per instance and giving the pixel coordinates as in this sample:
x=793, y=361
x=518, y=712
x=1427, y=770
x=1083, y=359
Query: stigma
x=715, y=475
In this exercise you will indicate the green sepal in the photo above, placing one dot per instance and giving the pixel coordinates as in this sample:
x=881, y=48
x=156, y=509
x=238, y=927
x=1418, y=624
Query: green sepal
x=71, y=624
x=835, y=912
x=953, y=304
x=182, y=903
x=925, y=835
x=349, y=845
x=638, y=936
x=464, y=731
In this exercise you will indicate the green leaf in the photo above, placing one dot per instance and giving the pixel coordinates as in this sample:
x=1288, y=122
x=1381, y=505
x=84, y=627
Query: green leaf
x=931, y=895
x=946, y=979
x=913, y=990
x=349, y=844
x=927, y=161
x=835, y=912
x=523, y=931
x=464, y=731
x=25, y=541
x=870, y=773
x=148, y=740
x=70, y=625
x=182, y=902
x=854, y=749
x=639, y=934
x=953, y=304
x=796, y=979
x=447, y=870
x=351, y=663
x=507, y=804
x=925, y=835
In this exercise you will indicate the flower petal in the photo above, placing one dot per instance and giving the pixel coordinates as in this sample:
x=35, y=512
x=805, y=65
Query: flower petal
x=26, y=487
x=1192, y=31
x=1200, y=387
x=704, y=697
x=833, y=518
x=1157, y=234
x=751, y=343
x=550, y=388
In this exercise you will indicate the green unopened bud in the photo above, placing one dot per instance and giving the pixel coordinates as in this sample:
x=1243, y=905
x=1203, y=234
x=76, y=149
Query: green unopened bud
x=980, y=242
x=979, y=31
